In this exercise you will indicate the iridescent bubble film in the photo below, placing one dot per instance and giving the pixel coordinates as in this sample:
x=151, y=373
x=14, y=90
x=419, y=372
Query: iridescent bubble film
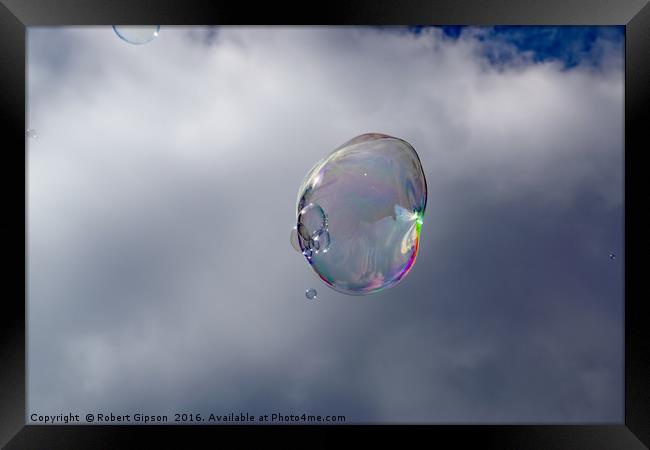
x=137, y=34
x=359, y=214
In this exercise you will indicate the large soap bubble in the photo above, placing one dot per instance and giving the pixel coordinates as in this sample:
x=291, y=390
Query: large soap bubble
x=359, y=214
x=137, y=34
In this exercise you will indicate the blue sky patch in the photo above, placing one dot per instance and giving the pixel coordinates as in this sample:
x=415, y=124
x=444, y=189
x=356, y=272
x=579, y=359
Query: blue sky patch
x=570, y=44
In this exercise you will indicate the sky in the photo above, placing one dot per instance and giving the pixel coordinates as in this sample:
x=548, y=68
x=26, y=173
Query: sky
x=161, y=194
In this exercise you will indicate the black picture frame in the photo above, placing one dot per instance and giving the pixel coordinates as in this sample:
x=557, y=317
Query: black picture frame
x=16, y=15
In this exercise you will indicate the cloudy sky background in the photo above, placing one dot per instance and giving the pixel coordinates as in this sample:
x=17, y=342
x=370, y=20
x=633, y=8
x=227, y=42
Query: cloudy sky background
x=161, y=193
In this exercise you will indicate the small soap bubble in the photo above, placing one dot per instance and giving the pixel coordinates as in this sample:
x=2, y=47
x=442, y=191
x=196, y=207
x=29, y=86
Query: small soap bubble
x=137, y=34
x=30, y=133
x=360, y=212
x=322, y=240
x=612, y=256
x=311, y=293
x=311, y=219
x=294, y=240
x=314, y=245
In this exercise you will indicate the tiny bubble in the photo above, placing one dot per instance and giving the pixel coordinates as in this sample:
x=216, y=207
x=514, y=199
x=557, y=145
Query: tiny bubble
x=311, y=293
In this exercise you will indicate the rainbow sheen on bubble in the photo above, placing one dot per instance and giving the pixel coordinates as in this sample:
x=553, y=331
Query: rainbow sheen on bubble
x=359, y=214
x=137, y=34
